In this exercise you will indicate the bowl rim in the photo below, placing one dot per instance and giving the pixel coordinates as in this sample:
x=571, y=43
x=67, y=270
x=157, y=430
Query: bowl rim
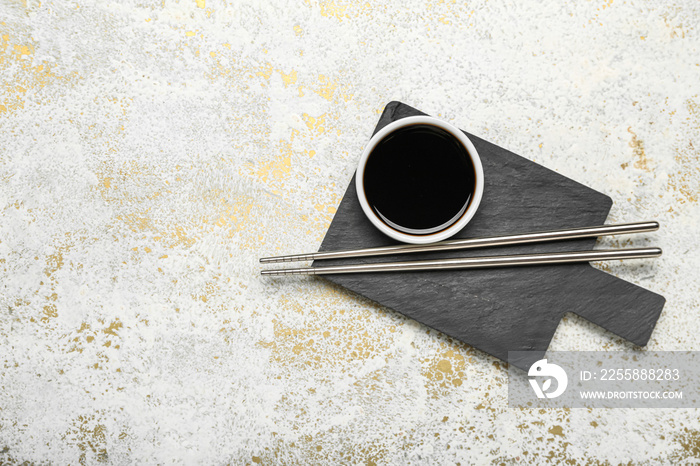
x=473, y=203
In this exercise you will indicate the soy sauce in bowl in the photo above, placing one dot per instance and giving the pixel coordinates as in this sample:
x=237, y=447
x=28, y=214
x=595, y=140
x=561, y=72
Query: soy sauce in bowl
x=419, y=179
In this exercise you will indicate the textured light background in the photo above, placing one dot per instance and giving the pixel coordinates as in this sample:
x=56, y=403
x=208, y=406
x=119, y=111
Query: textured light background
x=151, y=152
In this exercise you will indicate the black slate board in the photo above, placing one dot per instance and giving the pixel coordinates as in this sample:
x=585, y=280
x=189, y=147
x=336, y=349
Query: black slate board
x=506, y=309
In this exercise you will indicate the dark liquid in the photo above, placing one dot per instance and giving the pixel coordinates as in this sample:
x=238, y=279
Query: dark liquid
x=419, y=179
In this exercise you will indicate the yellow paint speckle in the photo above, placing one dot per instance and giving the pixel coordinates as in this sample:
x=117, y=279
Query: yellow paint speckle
x=557, y=430
x=317, y=124
x=201, y=3
x=190, y=33
x=21, y=74
x=331, y=9
x=276, y=169
x=298, y=30
x=113, y=328
x=50, y=312
x=327, y=87
x=444, y=366
x=233, y=215
x=290, y=78
x=265, y=71
x=637, y=145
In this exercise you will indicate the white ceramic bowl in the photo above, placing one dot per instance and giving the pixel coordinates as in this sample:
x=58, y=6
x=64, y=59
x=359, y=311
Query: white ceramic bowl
x=455, y=227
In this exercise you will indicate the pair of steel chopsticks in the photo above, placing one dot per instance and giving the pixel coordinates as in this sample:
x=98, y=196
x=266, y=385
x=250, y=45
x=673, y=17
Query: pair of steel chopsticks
x=477, y=262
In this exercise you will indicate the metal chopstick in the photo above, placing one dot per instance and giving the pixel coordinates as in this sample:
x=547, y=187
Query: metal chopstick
x=555, y=235
x=477, y=262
